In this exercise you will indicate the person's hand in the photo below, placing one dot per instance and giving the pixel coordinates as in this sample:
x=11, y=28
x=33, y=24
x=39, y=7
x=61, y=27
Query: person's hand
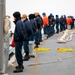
x=36, y=30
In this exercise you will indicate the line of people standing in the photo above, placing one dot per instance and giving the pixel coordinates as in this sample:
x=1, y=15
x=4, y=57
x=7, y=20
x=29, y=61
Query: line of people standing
x=26, y=30
x=55, y=25
x=29, y=29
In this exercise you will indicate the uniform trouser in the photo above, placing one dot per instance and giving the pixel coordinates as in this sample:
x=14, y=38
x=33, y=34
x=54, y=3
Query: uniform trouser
x=18, y=52
x=37, y=36
x=53, y=28
x=31, y=37
x=72, y=25
x=46, y=30
x=26, y=46
x=40, y=35
x=61, y=27
x=57, y=27
x=49, y=30
x=64, y=26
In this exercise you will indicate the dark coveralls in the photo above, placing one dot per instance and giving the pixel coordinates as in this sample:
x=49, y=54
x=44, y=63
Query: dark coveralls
x=51, y=24
x=57, y=24
x=28, y=27
x=61, y=24
x=18, y=38
x=34, y=28
x=38, y=34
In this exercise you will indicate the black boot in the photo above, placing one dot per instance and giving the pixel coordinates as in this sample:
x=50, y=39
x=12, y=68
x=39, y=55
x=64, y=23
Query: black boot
x=26, y=57
x=18, y=69
x=36, y=46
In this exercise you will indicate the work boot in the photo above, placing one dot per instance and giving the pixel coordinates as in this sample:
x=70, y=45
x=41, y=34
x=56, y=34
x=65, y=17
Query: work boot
x=36, y=46
x=41, y=40
x=26, y=57
x=57, y=32
x=18, y=69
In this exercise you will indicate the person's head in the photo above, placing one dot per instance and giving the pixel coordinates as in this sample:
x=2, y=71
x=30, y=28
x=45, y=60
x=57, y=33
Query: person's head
x=31, y=16
x=51, y=15
x=24, y=17
x=36, y=13
x=56, y=15
x=43, y=14
x=61, y=17
x=16, y=15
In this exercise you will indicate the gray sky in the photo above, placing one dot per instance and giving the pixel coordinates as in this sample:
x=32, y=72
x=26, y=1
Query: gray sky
x=49, y=6
x=59, y=7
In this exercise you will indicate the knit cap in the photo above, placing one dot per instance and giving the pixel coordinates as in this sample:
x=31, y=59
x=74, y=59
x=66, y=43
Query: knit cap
x=17, y=14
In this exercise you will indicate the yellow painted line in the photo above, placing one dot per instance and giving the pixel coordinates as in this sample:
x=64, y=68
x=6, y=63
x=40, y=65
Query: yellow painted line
x=65, y=50
x=41, y=49
x=34, y=69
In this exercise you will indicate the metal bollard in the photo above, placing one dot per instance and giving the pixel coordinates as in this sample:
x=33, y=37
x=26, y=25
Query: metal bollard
x=31, y=49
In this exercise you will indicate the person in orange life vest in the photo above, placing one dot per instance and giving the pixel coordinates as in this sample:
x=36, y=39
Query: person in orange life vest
x=45, y=24
x=69, y=20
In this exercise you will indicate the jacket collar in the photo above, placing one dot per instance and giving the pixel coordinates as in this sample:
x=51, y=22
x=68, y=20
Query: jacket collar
x=17, y=20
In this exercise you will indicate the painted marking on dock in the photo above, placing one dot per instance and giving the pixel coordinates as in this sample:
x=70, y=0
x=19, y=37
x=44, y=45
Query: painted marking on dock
x=41, y=49
x=65, y=50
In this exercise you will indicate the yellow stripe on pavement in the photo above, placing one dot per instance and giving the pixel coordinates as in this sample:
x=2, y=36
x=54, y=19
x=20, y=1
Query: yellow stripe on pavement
x=65, y=50
x=41, y=49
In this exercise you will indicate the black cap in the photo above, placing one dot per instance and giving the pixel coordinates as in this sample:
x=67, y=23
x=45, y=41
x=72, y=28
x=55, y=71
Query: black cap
x=56, y=15
x=31, y=16
x=17, y=14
